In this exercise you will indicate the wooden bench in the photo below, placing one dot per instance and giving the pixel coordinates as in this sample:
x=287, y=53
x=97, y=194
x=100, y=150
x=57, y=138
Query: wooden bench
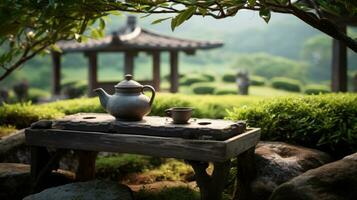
x=199, y=142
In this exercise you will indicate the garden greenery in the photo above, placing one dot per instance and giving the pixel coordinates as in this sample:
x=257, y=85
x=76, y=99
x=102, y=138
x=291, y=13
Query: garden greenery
x=327, y=122
x=287, y=84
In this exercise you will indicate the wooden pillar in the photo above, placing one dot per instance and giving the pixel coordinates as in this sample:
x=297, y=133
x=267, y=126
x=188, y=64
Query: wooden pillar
x=156, y=70
x=86, y=165
x=174, y=76
x=92, y=72
x=339, y=66
x=246, y=173
x=129, y=62
x=56, y=73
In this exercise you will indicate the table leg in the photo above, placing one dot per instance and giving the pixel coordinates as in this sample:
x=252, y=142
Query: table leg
x=211, y=186
x=86, y=165
x=246, y=172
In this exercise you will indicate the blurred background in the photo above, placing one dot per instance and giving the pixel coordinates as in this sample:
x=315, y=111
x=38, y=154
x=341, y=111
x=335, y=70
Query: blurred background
x=284, y=48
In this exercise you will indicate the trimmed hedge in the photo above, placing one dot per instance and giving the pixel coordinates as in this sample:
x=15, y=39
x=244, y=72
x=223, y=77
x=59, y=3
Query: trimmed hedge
x=203, y=88
x=316, y=89
x=257, y=80
x=229, y=78
x=36, y=94
x=189, y=80
x=286, y=84
x=209, y=77
x=75, y=89
x=225, y=91
x=327, y=122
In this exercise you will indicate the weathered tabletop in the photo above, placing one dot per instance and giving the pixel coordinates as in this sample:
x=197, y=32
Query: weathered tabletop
x=198, y=142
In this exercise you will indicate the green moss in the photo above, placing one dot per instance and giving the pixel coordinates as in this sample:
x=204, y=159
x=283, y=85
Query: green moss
x=117, y=166
x=171, y=170
x=6, y=130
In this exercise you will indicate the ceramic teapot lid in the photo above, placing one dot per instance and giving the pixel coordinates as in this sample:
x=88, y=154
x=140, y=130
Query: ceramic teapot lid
x=128, y=83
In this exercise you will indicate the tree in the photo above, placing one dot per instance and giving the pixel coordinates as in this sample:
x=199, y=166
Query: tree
x=30, y=27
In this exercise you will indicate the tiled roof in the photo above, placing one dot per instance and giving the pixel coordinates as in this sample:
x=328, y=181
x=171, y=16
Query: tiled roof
x=137, y=39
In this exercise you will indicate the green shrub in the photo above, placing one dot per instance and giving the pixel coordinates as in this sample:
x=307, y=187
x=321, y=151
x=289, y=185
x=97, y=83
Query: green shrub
x=73, y=106
x=286, y=84
x=21, y=115
x=75, y=89
x=316, y=89
x=203, y=88
x=36, y=94
x=229, y=78
x=209, y=77
x=327, y=122
x=192, y=80
x=257, y=80
x=225, y=91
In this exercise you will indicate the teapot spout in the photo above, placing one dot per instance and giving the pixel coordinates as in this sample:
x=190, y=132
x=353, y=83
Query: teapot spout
x=103, y=97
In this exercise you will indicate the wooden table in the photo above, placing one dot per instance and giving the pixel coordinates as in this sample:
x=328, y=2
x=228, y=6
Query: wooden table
x=199, y=142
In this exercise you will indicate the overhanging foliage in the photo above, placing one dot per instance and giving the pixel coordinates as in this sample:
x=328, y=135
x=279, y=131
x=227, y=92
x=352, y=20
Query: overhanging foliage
x=30, y=27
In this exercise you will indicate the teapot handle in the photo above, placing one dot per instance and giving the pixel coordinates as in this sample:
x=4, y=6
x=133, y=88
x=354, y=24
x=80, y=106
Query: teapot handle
x=153, y=92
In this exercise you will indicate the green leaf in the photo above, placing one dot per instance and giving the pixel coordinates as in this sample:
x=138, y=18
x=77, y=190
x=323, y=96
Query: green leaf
x=77, y=37
x=54, y=47
x=101, y=24
x=183, y=16
x=160, y=20
x=251, y=3
x=265, y=14
x=173, y=23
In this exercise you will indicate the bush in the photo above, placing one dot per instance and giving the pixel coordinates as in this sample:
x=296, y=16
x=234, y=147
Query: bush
x=257, y=80
x=75, y=89
x=193, y=79
x=229, y=78
x=21, y=115
x=203, y=88
x=316, y=89
x=209, y=77
x=36, y=94
x=286, y=84
x=225, y=91
x=327, y=122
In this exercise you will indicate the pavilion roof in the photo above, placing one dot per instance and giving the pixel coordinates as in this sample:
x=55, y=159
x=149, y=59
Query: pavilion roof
x=132, y=37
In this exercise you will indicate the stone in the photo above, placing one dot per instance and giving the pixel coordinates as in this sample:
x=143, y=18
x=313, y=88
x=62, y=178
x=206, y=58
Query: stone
x=333, y=181
x=13, y=148
x=91, y=190
x=16, y=181
x=278, y=162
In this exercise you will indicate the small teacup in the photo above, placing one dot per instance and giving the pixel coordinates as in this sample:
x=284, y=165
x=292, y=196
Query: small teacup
x=179, y=115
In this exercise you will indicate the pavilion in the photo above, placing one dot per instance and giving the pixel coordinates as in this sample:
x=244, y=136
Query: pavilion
x=130, y=40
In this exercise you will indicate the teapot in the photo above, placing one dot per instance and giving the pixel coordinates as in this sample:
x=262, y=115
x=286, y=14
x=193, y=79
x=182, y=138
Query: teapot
x=128, y=103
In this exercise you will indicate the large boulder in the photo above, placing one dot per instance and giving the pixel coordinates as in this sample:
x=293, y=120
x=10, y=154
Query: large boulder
x=16, y=181
x=278, y=162
x=91, y=190
x=333, y=181
x=13, y=148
